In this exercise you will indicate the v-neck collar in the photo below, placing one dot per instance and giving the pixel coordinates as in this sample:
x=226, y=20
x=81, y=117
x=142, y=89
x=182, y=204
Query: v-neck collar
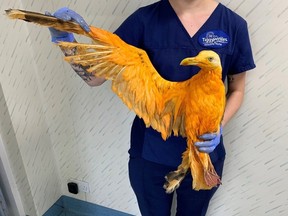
x=194, y=37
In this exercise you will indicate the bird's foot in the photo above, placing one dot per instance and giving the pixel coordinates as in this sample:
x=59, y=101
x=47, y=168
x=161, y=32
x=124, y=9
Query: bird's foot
x=211, y=178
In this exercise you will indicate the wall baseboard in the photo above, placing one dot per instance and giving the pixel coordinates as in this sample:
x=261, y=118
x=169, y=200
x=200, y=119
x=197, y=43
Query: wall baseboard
x=73, y=207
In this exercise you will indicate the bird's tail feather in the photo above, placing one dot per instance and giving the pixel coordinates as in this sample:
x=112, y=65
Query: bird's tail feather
x=46, y=20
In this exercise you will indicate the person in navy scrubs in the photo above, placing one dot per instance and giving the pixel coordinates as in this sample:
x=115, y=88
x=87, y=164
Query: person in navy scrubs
x=169, y=31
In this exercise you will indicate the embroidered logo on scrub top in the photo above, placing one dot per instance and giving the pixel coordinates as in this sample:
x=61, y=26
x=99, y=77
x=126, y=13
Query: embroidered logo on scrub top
x=214, y=39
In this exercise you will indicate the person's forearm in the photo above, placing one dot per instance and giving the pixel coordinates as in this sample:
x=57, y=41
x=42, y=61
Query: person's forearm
x=89, y=78
x=233, y=103
x=235, y=96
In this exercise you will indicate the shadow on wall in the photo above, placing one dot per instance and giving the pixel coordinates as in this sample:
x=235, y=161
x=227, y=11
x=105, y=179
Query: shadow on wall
x=3, y=205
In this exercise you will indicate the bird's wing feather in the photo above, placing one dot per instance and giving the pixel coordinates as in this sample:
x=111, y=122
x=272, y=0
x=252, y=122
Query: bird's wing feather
x=45, y=20
x=134, y=79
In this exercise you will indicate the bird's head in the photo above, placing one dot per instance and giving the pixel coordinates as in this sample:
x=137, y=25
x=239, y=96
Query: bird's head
x=206, y=60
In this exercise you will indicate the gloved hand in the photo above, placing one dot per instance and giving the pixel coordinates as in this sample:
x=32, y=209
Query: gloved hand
x=66, y=14
x=210, y=141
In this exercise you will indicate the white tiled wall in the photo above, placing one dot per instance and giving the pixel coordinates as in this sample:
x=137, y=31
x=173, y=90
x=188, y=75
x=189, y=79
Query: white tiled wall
x=56, y=127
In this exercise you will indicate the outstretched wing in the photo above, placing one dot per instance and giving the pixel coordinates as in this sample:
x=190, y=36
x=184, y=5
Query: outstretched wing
x=134, y=79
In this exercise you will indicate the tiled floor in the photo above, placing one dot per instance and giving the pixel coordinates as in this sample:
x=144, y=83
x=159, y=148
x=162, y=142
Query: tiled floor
x=67, y=206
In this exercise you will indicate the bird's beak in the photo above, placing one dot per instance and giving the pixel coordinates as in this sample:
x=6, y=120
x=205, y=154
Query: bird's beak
x=189, y=61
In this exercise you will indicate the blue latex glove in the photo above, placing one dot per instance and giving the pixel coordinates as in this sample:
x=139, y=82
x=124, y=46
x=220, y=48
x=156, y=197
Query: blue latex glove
x=210, y=141
x=66, y=14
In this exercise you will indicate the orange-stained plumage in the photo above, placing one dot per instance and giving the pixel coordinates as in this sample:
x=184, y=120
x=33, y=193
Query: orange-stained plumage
x=189, y=108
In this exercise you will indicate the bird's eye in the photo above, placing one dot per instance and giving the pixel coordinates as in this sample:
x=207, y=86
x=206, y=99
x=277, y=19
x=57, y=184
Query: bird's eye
x=210, y=59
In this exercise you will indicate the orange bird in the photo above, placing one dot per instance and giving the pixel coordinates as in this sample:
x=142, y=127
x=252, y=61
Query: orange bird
x=189, y=108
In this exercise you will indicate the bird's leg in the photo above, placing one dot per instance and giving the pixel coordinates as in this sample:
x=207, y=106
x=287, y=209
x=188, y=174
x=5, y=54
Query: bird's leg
x=174, y=178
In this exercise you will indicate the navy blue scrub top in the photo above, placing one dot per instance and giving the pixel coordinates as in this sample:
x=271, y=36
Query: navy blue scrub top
x=157, y=29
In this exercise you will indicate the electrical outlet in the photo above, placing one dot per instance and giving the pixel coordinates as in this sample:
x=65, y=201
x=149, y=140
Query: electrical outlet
x=82, y=185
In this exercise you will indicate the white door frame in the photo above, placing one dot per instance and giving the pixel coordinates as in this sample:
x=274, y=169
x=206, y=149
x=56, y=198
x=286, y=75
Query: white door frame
x=8, y=179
